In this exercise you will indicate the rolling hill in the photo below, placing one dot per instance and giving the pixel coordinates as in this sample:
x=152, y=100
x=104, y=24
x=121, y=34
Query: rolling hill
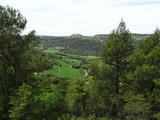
x=80, y=45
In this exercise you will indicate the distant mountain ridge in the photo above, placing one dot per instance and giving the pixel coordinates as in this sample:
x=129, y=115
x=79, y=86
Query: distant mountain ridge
x=81, y=45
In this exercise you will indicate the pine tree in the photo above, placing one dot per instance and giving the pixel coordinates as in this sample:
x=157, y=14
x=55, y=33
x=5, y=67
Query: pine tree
x=15, y=55
x=115, y=54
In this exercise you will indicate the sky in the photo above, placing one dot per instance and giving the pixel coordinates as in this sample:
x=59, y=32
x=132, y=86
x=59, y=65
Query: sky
x=87, y=17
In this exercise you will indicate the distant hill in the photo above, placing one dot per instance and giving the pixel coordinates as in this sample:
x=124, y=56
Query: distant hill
x=81, y=45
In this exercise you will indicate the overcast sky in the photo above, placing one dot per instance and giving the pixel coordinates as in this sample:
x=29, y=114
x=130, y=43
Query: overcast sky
x=87, y=17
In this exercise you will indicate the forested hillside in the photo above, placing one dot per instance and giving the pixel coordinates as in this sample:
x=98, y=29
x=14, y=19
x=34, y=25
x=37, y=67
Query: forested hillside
x=82, y=45
x=38, y=81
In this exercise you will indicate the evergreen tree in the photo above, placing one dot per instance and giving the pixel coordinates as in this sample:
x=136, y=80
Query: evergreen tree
x=115, y=54
x=112, y=74
x=145, y=73
x=15, y=55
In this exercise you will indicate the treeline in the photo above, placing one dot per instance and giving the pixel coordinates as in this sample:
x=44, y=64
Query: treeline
x=125, y=85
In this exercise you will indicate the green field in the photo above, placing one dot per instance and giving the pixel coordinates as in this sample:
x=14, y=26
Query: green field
x=66, y=65
x=63, y=70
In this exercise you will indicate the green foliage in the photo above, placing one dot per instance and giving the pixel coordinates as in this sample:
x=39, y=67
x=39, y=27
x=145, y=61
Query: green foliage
x=43, y=100
x=76, y=96
x=123, y=84
x=110, y=76
x=136, y=107
x=15, y=53
x=19, y=60
x=21, y=103
x=145, y=76
x=150, y=42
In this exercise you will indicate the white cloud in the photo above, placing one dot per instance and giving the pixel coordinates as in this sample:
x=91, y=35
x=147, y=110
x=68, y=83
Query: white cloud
x=87, y=17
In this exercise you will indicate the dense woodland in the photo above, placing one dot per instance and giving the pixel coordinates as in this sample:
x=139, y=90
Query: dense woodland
x=123, y=83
